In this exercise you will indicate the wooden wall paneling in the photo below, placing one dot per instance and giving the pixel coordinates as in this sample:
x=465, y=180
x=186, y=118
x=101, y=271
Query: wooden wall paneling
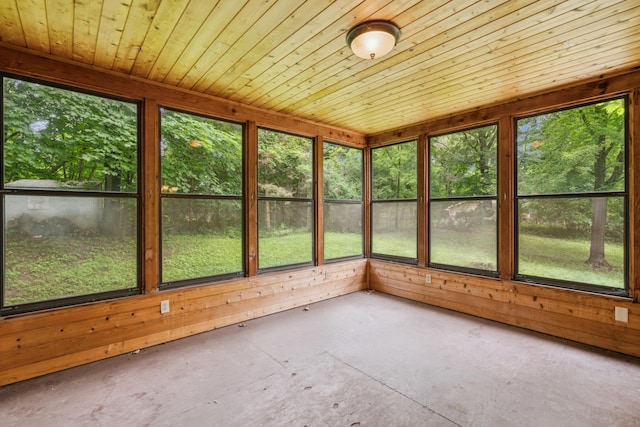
x=634, y=195
x=251, y=198
x=32, y=345
x=318, y=196
x=423, y=200
x=506, y=206
x=150, y=195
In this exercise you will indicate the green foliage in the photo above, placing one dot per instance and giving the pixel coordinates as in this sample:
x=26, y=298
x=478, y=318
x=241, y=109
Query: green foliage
x=285, y=165
x=342, y=170
x=69, y=137
x=290, y=248
x=200, y=155
x=572, y=151
x=464, y=163
x=395, y=170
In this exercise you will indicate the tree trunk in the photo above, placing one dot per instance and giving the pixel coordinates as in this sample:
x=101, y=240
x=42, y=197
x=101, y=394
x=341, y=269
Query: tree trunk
x=598, y=227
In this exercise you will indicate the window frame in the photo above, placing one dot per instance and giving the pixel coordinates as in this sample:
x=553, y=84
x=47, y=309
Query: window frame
x=389, y=257
x=162, y=285
x=53, y=303
x=454, y=268
x=560, y=283
x=347, y=202
x=311, y=200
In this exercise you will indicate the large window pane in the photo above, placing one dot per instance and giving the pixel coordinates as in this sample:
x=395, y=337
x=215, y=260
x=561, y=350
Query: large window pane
x=464, y=234
x=59, y=247
x=571, y=194
x=394, y=205
x=56, y=139
x=342, y=229
x=75, y=239
x=200, y=238
x=555, y=240
x=462, y=199
x=343, y=207
x=201, y=161
x=285, y=233
x=285, y=199
x=393, y=229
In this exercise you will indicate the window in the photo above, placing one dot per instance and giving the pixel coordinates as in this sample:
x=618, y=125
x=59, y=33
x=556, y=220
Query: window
x=343, y=206
x=201, y=163
x=285, y=199
x=572, y=197
x=70, y=197
x=462, y=200
x=394, y=204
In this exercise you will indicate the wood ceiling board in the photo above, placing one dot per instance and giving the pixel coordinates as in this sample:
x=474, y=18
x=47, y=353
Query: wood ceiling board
x=60, y=23
x=156, y=41
x=85, y=30
x=194, y=16
x=112, y=21
x=10, y=22
x=206, y=65
x=203, y=42
x=33, y=17
x=135, y=30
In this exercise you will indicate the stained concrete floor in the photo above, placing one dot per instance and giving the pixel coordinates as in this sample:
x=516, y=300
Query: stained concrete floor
x=358, y=360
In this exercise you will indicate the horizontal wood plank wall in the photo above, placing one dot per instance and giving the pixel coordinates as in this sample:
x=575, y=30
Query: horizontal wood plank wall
x=577, y=316
x=37, y=344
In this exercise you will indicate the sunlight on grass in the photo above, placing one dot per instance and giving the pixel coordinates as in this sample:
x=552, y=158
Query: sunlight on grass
x=395, y=244
x=464, y=249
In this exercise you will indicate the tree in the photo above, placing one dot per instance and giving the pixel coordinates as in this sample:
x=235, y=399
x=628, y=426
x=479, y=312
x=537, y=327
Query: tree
x=574, y=151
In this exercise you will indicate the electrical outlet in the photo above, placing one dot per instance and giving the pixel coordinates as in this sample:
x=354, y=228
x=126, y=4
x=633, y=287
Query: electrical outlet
x=427, y=278
x=622, y=314
x=327, y=275
x=164, y=306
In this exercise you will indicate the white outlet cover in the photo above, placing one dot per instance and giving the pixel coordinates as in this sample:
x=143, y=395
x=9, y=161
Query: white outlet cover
x=164, y=306
x=622, y=314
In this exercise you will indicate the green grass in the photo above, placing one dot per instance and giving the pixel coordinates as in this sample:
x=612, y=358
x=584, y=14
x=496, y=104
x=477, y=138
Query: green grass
x=395, y=244
x=338, y=245
x=564, y=259
x=189, y=256
x=285, y=249
x=50, y=268
x=471, y=249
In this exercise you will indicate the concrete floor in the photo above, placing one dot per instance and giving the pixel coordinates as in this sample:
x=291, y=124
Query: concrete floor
x=358, y=360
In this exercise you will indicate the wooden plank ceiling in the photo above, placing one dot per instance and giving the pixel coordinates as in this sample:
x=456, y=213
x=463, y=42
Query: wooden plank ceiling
x=291, y=57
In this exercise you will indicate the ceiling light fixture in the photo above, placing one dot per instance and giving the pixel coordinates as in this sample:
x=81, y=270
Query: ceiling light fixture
x=373, y=39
